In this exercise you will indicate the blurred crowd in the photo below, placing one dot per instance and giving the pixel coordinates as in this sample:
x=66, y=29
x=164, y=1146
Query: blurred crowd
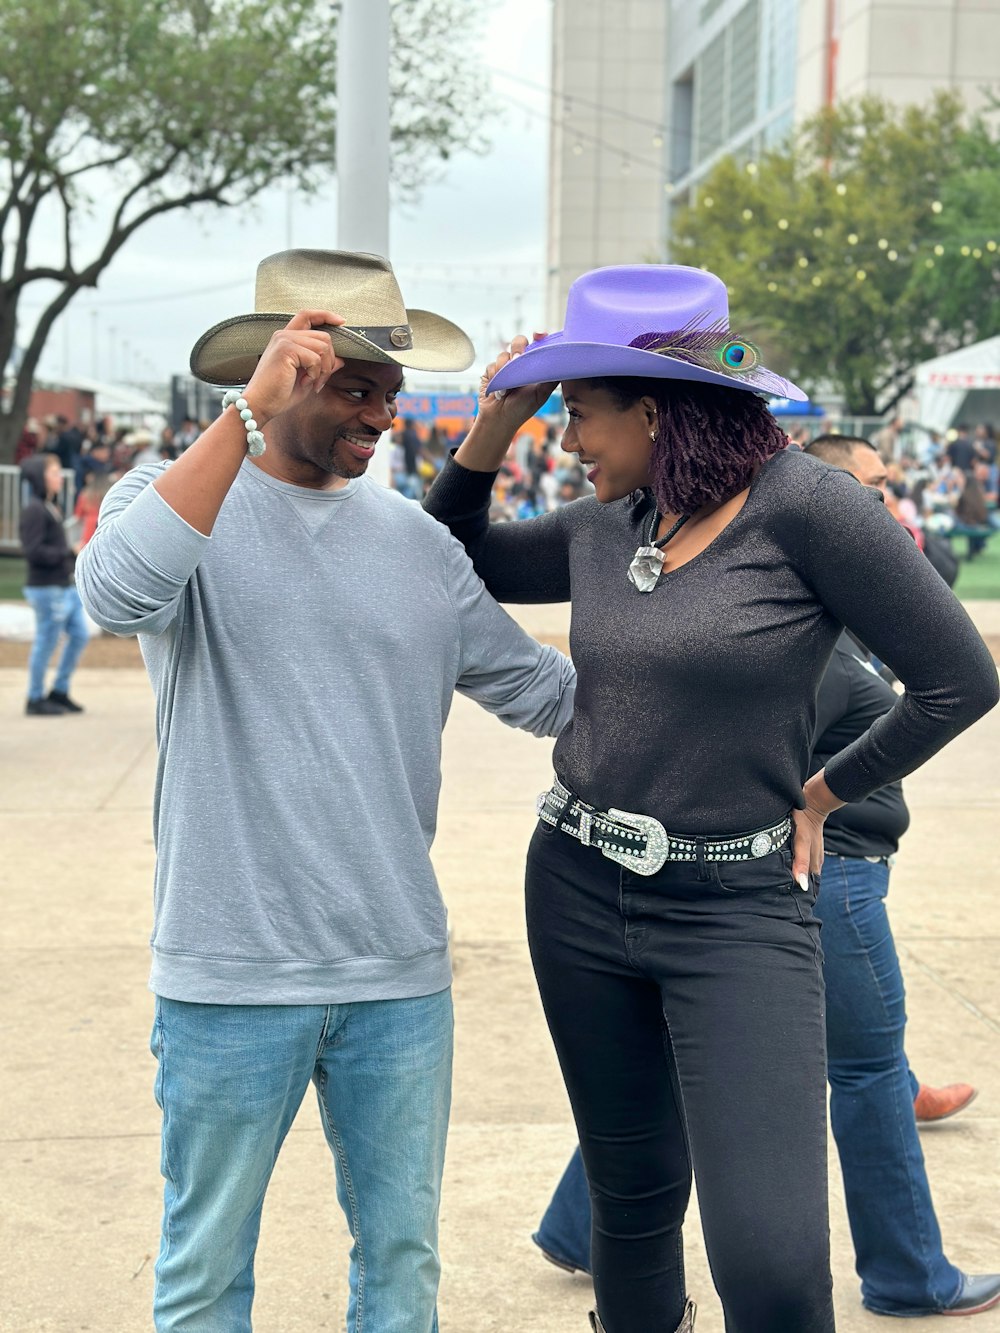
x=536, y=475
x=940, y=486
x=97, y=454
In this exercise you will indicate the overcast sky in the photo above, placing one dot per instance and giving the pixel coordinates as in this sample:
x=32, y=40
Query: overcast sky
x=471, y=249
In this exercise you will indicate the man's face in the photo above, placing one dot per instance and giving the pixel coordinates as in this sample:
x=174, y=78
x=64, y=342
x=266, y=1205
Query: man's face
x=330, y=438
x=868, y=467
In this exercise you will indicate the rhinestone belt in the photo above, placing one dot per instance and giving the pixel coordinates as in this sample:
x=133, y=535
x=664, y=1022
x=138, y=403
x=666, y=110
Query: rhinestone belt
x=641, y=843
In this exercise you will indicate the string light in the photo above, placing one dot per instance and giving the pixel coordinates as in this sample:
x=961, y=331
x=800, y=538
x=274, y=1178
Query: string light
x=861, y=275
x=852, y=238
x=708, y=201
x=841, y=188
x=747, y=215
x=783, y=223
x=937, y=206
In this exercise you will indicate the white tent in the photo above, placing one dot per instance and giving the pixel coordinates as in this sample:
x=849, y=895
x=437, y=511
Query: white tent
x=959, y=386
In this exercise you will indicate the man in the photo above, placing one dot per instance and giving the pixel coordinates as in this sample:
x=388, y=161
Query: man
x=188, y=433
x=69, y=443
x=887, y=440
x=304, y=629
x=859, y=456
x=961, y=450
x=410, y=484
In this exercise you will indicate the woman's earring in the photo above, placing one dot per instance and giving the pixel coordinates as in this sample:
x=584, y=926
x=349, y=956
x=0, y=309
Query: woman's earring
x=652, y=434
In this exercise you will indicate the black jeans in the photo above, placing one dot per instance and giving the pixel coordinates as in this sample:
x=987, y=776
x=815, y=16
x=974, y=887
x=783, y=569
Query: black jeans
x=687, y=1013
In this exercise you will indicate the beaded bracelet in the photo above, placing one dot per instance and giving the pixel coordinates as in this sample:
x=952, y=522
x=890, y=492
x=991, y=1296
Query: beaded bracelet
x=255, y=440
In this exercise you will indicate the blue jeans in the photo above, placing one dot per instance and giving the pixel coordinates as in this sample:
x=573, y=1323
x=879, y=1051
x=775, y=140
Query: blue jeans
x=896, y=1237
x=897, y=1241
x=57, y=611
x=230, y=1081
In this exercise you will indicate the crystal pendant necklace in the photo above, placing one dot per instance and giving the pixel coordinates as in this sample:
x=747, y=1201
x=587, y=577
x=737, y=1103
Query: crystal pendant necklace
x=647, y=563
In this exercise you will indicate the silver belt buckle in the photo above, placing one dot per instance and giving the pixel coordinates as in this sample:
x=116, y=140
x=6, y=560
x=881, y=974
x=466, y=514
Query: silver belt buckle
x=657, y=843
x=541, y=810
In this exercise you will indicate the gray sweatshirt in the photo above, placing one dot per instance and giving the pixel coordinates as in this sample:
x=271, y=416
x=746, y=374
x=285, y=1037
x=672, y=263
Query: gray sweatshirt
x=304, y=658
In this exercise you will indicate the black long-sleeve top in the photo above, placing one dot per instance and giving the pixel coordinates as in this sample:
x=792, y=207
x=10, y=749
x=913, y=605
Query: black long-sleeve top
x=696, y=703
x=852, y=695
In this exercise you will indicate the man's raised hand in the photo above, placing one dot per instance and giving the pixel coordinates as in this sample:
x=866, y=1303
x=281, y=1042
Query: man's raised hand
x=297, y=361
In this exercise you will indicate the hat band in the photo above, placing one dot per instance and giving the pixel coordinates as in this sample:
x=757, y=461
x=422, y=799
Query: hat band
x=390, y=337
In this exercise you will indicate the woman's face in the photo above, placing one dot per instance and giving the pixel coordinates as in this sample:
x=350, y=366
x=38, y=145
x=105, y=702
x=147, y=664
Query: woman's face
x=613, y=443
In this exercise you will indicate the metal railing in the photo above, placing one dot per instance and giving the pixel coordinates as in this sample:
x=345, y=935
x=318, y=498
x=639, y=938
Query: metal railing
x=13, y=493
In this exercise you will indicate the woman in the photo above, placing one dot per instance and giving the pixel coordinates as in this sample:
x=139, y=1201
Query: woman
x=50, y=589
x=672, y=875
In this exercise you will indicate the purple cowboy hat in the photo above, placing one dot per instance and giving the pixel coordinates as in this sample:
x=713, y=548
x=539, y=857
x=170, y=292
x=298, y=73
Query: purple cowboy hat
x=657, y=321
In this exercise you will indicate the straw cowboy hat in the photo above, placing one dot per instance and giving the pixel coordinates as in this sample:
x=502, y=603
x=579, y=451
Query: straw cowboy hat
x=655, y=321
x=360, y=287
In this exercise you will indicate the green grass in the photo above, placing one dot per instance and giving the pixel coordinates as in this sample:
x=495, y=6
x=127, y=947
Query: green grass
x=979, y=579
x=11, y=579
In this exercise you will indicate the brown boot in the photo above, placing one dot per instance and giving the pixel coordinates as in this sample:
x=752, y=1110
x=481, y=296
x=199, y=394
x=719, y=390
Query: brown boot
x=685, y=1326
x=932, y=1104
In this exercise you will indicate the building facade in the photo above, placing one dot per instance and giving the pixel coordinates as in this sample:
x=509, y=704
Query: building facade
x=647, y=95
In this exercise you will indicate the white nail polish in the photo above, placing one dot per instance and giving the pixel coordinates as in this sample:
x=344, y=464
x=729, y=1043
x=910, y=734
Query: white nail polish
x=802, y=879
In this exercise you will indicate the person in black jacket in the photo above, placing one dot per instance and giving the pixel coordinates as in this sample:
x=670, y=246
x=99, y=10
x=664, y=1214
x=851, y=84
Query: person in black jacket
x=50, y=589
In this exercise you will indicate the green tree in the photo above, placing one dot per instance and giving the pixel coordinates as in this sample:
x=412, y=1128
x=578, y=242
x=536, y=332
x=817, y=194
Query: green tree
x=865, y=247
x=124, y=110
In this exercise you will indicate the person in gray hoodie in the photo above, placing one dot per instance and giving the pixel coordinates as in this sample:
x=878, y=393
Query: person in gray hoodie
x=49, y=589
x=305, y=629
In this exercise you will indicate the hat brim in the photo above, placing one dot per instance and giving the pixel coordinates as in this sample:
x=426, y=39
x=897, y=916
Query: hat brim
x=228, y=353
x=555, y=359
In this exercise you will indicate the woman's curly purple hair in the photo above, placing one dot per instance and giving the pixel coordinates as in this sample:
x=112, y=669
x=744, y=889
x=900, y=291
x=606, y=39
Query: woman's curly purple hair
x=709, y=440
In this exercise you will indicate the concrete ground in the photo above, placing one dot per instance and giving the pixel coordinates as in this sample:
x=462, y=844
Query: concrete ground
x=78, y=1133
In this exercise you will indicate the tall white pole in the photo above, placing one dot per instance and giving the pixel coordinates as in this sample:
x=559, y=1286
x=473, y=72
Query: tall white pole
x=363, y=143
x=363, y=126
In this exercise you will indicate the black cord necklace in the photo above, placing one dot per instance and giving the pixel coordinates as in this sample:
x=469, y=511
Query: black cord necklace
x=647, y=563
x=658, y=545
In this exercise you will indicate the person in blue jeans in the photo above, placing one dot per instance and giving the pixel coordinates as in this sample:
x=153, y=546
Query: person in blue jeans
x=897, y=1241
x=282, y=599
x=50, y=590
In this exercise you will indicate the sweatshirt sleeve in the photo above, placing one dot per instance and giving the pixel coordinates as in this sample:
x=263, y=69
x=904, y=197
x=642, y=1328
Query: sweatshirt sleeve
x=522, y=561
x=868, y=573
x=133, y=571
x=525, y=683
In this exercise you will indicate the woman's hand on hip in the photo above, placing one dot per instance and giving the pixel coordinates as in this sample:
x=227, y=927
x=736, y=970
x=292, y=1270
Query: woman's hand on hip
x=807, y=829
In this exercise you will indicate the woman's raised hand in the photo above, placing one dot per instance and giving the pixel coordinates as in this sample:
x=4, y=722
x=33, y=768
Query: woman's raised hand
x=509, y=409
